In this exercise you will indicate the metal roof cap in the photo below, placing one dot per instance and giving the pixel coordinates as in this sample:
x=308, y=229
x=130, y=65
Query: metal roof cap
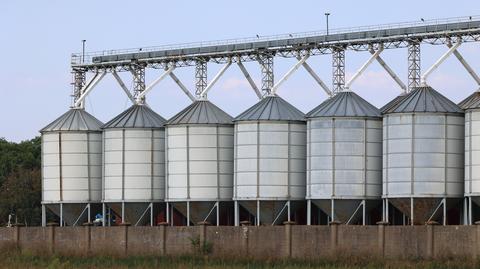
x=137, y=116
x=471, y=102
x=424, y=99
x=345, y=104
x=201, y=112
x=272, y=108
x=74, y=119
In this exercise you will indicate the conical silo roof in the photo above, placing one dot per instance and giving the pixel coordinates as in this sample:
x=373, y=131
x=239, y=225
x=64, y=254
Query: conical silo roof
x=137, y=116
x=392, y=103
x=201, y=112
x=272, y=108
x=471, y=102
x=345, y=104
x=74, y=120
x=424, y=99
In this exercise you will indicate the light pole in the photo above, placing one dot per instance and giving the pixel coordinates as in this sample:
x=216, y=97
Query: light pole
x=83, y=50
x=326, y=16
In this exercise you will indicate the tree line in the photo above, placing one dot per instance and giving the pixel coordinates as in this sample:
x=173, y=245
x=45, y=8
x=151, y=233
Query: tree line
x=20, y=182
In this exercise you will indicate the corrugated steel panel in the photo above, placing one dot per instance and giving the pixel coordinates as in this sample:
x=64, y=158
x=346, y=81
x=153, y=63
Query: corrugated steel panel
x=272, y=108
x=392, y=103
x=424, y=99
x=137, y=116
x=201, y=112
x=345, y=104
x=74, y=120
x=471, y=102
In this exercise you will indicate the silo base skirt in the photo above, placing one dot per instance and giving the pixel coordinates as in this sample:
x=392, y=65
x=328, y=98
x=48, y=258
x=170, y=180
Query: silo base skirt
x=347, y=211
x=213, y=212
x=74, y=214
x=272, y=212
x=426, y=209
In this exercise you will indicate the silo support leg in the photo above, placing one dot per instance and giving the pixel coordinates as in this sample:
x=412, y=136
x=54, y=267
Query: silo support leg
x=167, y=212
x=309, y=212
x=470, y=211
x=218, y=213
x=257, y=220
x=364, y=212
x=387, y=217
x=89, y=214
x=188, y=213
x=123, y=212
x=151, y=215
x=44, y=216
x=411, y=211
x=61, y=215
x=288, y=211
x=236, y=214
x=104, y=217
x=444, y=211
x=332, y=216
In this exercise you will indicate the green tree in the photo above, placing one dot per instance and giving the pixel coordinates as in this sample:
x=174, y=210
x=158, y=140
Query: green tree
x=20, y=181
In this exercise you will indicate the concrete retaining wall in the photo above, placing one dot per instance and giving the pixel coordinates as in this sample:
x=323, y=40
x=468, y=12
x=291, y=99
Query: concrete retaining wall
x=302, y=242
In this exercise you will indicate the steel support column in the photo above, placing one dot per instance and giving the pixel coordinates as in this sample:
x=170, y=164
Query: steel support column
x=200, y=77
x=338, y=65
x=44, y=216
x=413, y=65
x=236, y=213
x=78, y=83
x=309, y=212
x=138, y=72
x=266, y=65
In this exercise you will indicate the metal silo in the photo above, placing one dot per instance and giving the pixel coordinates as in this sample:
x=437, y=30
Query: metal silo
x=134, y=164
x=471, y=105
x=72, y=167
x=423, y=149
x=344, y=158
x=270, y=145
x=199, y=150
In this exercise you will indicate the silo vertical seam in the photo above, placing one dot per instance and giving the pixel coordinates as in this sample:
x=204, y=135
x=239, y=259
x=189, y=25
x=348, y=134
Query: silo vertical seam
x=288, y=159
x=445, y=169
x=187, y=137
x=333, y=157
x=218, y=161
x=43, y=166
x=309, y=159
x=152, y=163
x=412, y=157
x=235, y=152
x=470, y=163
x=103, y=166
x=258, y=159
x=166, y=165
x=88, y=168
x=364, y=159
x=60, y=165
x=386, y=153
x=123, y=166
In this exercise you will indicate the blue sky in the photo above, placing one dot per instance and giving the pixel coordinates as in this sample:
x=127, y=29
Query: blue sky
x=37, y=38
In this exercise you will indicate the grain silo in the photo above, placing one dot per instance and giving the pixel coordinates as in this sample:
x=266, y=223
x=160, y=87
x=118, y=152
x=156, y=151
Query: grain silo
x=72, y=167
x=134, y=165
x=423, y=151
x=471, y=105
x=270, y=153
x=344, y=159
x=199, y=174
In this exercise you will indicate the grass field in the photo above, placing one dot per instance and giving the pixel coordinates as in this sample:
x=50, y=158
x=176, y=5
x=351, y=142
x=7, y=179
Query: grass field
x=11, y=259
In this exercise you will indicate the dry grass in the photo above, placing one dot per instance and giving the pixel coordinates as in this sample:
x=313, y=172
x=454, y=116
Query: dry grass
x=14, y=259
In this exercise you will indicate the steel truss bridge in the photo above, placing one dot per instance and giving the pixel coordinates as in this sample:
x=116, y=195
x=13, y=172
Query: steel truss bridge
x=374, y=39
